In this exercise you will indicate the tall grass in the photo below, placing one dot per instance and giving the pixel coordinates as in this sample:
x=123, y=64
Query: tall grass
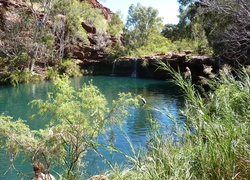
x=216, y=142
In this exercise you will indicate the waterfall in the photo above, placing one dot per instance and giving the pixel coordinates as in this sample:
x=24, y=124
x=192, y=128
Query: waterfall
x=113, y=68
x=134, y=73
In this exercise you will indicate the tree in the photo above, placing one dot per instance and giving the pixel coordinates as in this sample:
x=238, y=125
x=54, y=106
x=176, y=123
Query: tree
x=187, y=25
x=115, y=25
x=40, y=25
x=224, y=23
x=26, y=35
x=69, y=15
x=171, y=32
x=72, y=120
x=142, y=22
x=227, y=28
x=15, y=41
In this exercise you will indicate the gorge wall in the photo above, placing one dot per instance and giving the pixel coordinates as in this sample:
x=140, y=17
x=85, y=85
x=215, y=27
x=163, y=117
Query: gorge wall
x=95, y=61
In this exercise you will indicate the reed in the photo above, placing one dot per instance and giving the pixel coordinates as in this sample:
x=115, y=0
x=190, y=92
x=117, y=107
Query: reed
x=215, y=141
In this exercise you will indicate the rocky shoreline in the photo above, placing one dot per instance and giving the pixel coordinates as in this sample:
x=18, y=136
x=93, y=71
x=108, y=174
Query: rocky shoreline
x=146, y=67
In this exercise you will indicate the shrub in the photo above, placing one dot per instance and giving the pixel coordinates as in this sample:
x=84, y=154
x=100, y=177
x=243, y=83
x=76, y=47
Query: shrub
x=117, y=51
x=196, y=47
x=20, y=62
x=23, y=76
x=72, y=121
x=115, y=26
x=156, y=44
x=52, y=74
x=69, y=68
x=47, y=39
x=20, y=77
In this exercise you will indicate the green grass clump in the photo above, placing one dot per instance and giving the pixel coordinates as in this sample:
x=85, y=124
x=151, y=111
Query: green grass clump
x=215, y=142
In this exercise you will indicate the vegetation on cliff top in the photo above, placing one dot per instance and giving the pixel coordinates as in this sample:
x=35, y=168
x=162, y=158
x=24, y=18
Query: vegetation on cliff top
x=52, y=30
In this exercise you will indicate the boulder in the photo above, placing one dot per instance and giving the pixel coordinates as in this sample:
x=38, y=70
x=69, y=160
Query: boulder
x=89, y=28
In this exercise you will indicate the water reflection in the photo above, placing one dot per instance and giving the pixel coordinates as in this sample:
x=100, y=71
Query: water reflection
x=158, y=94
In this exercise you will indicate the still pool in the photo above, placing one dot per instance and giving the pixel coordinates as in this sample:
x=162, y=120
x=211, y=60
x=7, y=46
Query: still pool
x=160, y=95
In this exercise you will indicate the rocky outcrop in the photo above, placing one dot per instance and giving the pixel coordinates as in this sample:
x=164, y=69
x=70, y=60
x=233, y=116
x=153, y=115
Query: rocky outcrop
x=105, y=11
x=147, y=67
x=12, y=3
x=93, y=59
x=77, y=50
x=88, y=28
x=180, y=62
x=98, y=41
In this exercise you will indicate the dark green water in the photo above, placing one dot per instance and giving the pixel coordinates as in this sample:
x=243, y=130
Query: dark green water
x=159, y=94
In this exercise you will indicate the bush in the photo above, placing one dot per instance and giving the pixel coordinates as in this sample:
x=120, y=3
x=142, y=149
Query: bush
x=196, y=47
x=185, y=45
x=52, y=74
x=69, y=68
x=72, y=121
x=157, y=44
x=23, y=76
x=115, y=26
x=47, y=39
x=20, y=62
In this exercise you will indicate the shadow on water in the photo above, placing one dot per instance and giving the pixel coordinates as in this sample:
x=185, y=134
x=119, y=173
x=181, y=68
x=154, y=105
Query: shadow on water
x=158, y=94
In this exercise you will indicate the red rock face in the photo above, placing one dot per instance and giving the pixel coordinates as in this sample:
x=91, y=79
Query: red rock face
x=13, y=3
x=105, y=11
x=75, y=51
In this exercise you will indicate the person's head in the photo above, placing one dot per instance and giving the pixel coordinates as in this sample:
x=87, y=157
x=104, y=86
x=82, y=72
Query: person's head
x=38, y=168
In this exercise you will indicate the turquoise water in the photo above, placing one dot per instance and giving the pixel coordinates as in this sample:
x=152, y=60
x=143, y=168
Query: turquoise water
x=158, y=94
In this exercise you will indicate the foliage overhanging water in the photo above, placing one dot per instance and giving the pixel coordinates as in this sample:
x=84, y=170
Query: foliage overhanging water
x=159, y=95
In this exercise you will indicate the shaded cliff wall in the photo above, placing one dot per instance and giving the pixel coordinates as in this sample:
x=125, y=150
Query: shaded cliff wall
x=147, y=67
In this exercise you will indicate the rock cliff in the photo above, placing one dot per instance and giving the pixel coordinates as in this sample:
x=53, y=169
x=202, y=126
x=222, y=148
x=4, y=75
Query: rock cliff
x=78, y=50
x=105, y=11
x=94, y=60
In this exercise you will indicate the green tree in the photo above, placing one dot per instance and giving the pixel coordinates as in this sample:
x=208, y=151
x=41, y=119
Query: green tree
x=115, y=25
x=72, y=120
x=171, y=32
x=142, y=23
x=68, y=16
x=189, y=28
x=225, y=24
x=187, y=12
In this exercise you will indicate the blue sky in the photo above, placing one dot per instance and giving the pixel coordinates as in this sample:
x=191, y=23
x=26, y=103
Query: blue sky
x=168, y=9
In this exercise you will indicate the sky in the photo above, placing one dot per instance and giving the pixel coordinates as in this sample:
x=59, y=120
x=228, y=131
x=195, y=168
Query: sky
x=168, y=9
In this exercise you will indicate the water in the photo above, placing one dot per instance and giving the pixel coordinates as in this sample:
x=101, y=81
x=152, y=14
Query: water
x=158, y=94
x=134, y=73
x=113, y=68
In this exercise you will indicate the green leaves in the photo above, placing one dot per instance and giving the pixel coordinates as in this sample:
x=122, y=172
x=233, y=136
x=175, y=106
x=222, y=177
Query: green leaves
x=215, y=144
x=72, y=119
x=115, y=26
x=142, y=23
